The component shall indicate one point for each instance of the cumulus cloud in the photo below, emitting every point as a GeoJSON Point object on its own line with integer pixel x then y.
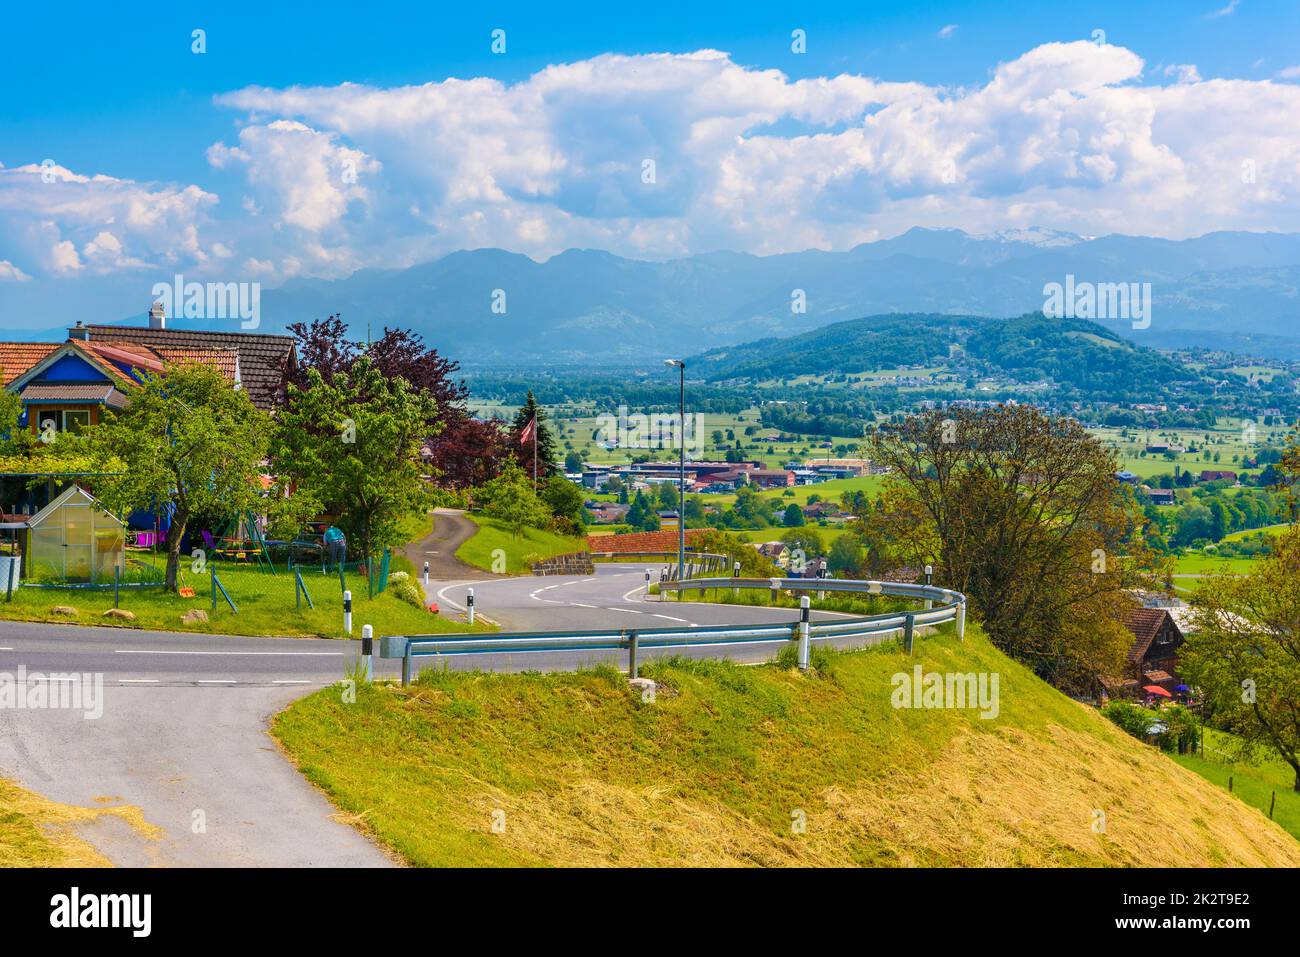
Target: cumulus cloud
{"type": "Point", "coordinates": [660, 155]}
{"type": "Point", "coordinates": [11, 273]}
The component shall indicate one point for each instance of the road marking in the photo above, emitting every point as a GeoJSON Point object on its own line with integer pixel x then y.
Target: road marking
{"type": "Point", "coordinates": [442, 593]}
{"type": "Point", "coordinates": [549, 587]}
{"type": "Point", "coordinates": [309, 654]}
{"type": "Point", "coordinates": [291, 681]}
{"type": "Point", "coordinates": [671, 618]}
{"type": "Point", "coordinates": [578, 604]}
{"type": "Point", "coordinates": [627, 596]}
{"type": "Point", "coordinates": [630, 611]}
{"type": "Point", "coordinates": [137, 681]}
{"type": "Point", "coordinates": [215, 681]}
{"type": "Point", "coordinates": [6, 649]}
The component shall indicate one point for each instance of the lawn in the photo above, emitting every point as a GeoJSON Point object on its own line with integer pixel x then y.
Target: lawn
{"type": "Point", "coordinates": [730, 765]}
{"type": "Point", "coordinates": [494, 548]}
{"type": "Point", "coordinates": [265, 602]}
{"type": "Point", "coordinates": [1255, 784]}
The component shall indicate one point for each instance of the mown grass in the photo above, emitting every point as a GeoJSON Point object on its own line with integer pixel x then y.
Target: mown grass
{"type": "Point", "coordinates": [1254, 784]}
{"type": "Point", "coordinates": [493, 540]}
{"type": "Point", "coordinates": [265, 602]}
{"type": "Point", "coordinates": [471, 769]}
{"type": "Point", "coordinates": [35, 832]}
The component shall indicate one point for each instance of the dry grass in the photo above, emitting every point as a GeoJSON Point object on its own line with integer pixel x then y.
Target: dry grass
{"type": "Point", "coordinates": [576, 771]}
{"type": "Point", "coordinates": [35, 832]}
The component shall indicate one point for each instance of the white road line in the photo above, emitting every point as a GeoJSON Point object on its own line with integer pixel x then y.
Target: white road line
{"type": "Point", "coordinates": [630, 611]}
{"type": "Point", "coordinates": [309, 654]}
{"type": "Point", "coordinates": [6, 649]}
{"type": "Point", "coordinates": [671, 618]}
{"type": "Point", "coordinates": [578, 604]}
{"type": "Point", "coordinates": [549, 587]}
{"type": "Point", "coordinates": [291, 681]}
{"type": "Point", "coordinates": [627, 596]}
{"type": "Point", "coordinates": [442, 592]}
{"type": "Point", "coordinates": [137, 681]}
{"type": "Point", "coordinates": [215, 681]}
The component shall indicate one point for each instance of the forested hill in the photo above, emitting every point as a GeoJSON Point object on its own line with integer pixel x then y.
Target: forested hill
{"type": "Point", "coordinates": [1073, 354]}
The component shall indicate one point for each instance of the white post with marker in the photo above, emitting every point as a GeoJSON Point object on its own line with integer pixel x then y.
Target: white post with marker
{"type": "Point", "coordinates": [368, 650]}
{"type": "Point", "coordinates": [735, 575]}
{"type": "Point", "coordinates": [426, 574]}
{"type": "Point", "coordinates": [469, 604]}
{"type": "Point", "coordinates": [347, 611]}
{"type": "Point", "coordinates": [805, 636]}
{"type": "Point", "coordinates": [929, 573]}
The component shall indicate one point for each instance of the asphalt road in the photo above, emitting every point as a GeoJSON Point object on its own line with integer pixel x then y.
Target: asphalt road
{"type": "Point", "coordinates": [182, 733]}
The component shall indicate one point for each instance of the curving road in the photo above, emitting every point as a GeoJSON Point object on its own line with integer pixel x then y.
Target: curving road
{"type": "Point", "coordinates": [183, 730]}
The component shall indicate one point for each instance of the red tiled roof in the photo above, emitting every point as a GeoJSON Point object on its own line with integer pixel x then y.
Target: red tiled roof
{"type": "Point", "coordinates": [661, 541]}
{"type": "Point", "coordinates": [74, 392]}
{"type": "Point", "coordinates": [17, 357]}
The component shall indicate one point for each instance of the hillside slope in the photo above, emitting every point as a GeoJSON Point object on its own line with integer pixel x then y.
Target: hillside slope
{"type": "Point", "coordinates": [714, 772]}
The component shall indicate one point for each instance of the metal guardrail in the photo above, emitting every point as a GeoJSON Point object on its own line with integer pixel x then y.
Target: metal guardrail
{"type": "Point", "coordinates": [942, 604]}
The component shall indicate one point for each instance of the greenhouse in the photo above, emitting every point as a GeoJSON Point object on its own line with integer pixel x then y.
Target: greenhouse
{"type": "Point", "coordinates": [73, 539]}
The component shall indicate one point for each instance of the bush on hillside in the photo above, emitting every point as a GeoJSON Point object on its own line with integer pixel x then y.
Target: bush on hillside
{"type": "Point", "coordinates": [1131, 718]}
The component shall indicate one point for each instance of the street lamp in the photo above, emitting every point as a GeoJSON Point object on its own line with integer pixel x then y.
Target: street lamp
{"type": "Point", "coordinates": [681, 474]}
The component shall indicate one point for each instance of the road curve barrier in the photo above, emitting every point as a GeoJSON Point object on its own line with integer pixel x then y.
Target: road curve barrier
{"type": "Point", "coordinates": [943, 606]}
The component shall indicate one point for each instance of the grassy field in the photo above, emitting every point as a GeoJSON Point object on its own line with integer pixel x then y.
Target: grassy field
{"type": "Point", "coordinates": [1255, 784]}
{"type": "Point", "coordinates": [494, 543]}
{"type": "Point", "coordinates": [265, 602]}
{"type": "Point", "coordinates": [35, 832]}
{"type": "Point", "coordinates": [1200, 563]}
{"type": "Point", "coordinates": [738, 766]}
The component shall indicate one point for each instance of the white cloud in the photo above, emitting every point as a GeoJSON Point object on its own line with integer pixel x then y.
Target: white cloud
{"type": "Point", "coordinates": [1226, 10]}
{"type": "Point", "coordinates": [1289, 73]}
{"type": "Point", "coordinates": [11, 273]}
{"type": "Point", "coordinates": [947, 31]}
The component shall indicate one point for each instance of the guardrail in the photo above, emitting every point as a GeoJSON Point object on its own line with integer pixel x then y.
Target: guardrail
{"type": "Point", "coordinates": [942, 606]}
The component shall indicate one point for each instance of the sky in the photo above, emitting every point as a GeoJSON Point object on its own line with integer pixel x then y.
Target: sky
{"type": "Point", "coordinates": [264, 142]}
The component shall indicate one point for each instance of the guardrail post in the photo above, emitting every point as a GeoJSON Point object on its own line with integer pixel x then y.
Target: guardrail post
{"type": "Point", "coordinates": [805, 637]}
{"type": "Point", "coordinates": [469, 604]}
{"type": "Point", "coordinates": [909, 632]}
{"type": "Point", "coordinates": [368, 650]}
{"type": "Point", "coordinates": [961, 620]}
{"type": "Point", "coordinates": [632, 638]}
{"type": "Point", "coordinates": [406, 665]}
{"type": "Point", "coordinates": [347, 611]}
{"type": "Point", "coordinates": [776, 590]}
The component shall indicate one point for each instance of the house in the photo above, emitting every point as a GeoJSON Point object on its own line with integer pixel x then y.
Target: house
{"type": "Point", "coordinates": [776, 551]}
{"type": "Point", "coordinates": [1160, 496]}
{"type": "Point", "coordinates": [68, 386]}
{"type": "Point", "coordinates": [668, 519]}
{"type": "Point", "coordinates": [1214, 475]}
{"type": "Point", "coordinates": [1126, 478]}
{"type": "Point", "coordinates": [1153, 656]}
{"type": "Point", "coordinates": [607, 513]}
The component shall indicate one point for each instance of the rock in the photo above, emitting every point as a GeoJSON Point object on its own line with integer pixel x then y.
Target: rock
{"type": "Point", "coordinates": [195, 616]}
{"type": "Point", "coordinates": [64, 610]}
{"type": "Point", "coordinates": [120, 613]}
{"type": "Point", "coordinates": [642, 686]}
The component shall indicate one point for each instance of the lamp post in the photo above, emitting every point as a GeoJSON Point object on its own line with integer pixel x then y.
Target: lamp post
{"type": "Point", "coordinates": [681, 474]}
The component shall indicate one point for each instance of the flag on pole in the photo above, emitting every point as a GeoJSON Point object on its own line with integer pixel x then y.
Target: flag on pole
{"type": "Point", "coordinates": [526, 435]}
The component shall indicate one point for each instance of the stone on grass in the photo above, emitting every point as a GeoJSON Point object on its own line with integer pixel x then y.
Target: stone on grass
{"type": "Point", "coordinates": [195, 616]}
{"type": "Point", "coordinates": [121, 613]}
{"type": "Point", "coordinates": [641, 684]}
{"type": "Point", "coordinates": [64, 610]}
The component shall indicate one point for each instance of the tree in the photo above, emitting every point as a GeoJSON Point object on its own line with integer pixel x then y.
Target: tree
{"type": "Point", "coordinates": [510, 499]}
{"type": "Point", "coordinates": [190, 443]}
{"type": "Point", "coordinates": [565, 501]}
{"type": "Point", "coordinates": [1025, 518]}
{"type": "Point", "coordinates": [573, 462]}
{"type": "Point", "coordinates": [846, 556]}
{"type": "Point", "coordinates": [523, 451]}
{"type": "Point", "coordinates": [353, 444]}
{"type": "Point", "coordinates": [793, 516]}
{"type": "Point", "coordinates": [1243, 657]}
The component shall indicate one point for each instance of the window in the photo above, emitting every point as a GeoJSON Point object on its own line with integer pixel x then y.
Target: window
{"type": "Point", "coordinates": [63, 420]}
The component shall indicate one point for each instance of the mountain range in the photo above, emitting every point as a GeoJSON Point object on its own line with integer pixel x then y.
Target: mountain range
{"type": "Point", "coordinates": [1230, 290]}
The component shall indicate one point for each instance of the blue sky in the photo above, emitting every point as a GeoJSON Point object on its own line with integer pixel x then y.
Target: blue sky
{"type": "Point", "coordinates": [313, 139]}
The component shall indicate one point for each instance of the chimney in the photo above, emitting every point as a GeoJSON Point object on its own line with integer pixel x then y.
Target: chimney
{"type": "Point", "coordinates": [79, 331]}
{"type": "Point", "coordinates": [156, 318]}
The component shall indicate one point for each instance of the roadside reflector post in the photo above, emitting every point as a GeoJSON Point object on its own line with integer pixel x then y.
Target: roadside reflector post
{"type": "Point", "coordinates": [805, 633]}
{"type": "Point", "coordinates": [632, 638]}
{"type": "Point", "coordinates": [469, 604]}
{"type": "Point", "coordinates": [821, 574]}
{"type": "Point", "coordinates": [426, 574]}
{"type": "Point", "coordinates": [909, 629]}
{"type": "Point", "coordinates": [735, 577]}
{"type": "Point", "coordinates": [929, 574]}
{"type": "Point", "coordinates": [347, 611]}
{"type": "Point", "coordinates": [368, 650]}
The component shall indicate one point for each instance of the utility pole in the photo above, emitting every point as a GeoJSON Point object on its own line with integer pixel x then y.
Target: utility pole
{"type": "Point", "coordinates": [681, 472]}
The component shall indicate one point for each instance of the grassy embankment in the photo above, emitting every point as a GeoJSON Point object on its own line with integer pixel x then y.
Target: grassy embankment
{"type": "Point", "coordinates": [35, 832]}
{"type": "Point", "coordinates": [1255, 784]}
{"type": "Point", "coordinates": [575, 769]}
{"type": "Point", "coordinates": [494, 540]}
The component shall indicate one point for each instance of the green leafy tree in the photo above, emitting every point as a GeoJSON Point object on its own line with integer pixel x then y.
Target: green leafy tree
{"type": "Point", "coordinates": [793, 516]}
{"type": "Point", "coordinates": [189, 442]}
{"type": "Point", "coordinates": [510, 499]}
{"type": "Point", "coordinates": [846, 556]}
{"type": "Point", "coordinates": [573, 462]}
{"type": "Point", "coordinates": [352, 444]}
{"type": "Point", "coordinates": [1243, 656]}
{"type": "Point", "coordinates": [565, 501]}
{"type": "Point", "coordinates": [546, 453]}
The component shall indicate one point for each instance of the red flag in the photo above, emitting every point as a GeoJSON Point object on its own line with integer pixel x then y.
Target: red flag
{"type": "Point", "coordinates": [526, 435]}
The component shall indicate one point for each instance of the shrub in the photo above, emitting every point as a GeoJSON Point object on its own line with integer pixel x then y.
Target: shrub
{"type": "Point", "coordinates": [407, 591]}
{"type": "Point", "coordinates": [1131, 718]}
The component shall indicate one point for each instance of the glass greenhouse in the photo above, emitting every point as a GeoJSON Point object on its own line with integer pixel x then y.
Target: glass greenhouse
{"type": "Point", "coordinates": [74, 539]}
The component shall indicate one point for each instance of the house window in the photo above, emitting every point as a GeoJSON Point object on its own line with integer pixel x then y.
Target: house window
{"type": "Point", "coordinates": [64, 420]}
